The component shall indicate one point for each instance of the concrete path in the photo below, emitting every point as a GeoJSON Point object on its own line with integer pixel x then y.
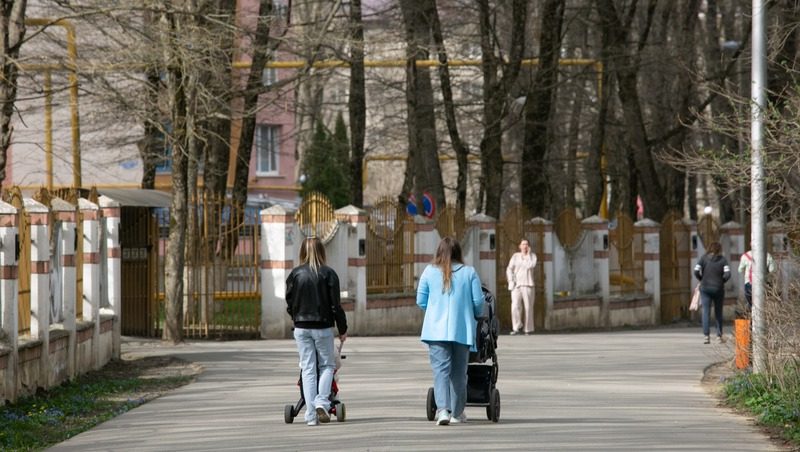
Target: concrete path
{"type": "Point", "coordinates": [629, 390]}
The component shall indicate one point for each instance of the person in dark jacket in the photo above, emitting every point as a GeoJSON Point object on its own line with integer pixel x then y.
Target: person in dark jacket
{"type": "Point", "coordinates": [713, 271]}
{"type": "Point", "coordinates": [313, 302]}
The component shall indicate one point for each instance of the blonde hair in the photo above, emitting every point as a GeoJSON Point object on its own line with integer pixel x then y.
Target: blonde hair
{"type": "Point", "coordinates": [447, 252]}
{"type": "Point", "coordinates": [312, 253]}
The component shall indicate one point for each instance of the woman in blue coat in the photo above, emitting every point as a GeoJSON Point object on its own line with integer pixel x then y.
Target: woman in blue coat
{"type": "Point", "coordinates": [450, 294]}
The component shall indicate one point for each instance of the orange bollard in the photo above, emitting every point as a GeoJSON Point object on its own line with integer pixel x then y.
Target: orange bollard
{"type": "Point", "coordinates": [742, 336]}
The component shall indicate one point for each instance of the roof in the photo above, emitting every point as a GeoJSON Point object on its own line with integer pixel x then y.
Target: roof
{"type": "Point", "coordinates": [137, 197]}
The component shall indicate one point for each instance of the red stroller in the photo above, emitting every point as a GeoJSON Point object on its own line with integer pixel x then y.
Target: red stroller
{"type": "Point", "coordinates": [337, 407]}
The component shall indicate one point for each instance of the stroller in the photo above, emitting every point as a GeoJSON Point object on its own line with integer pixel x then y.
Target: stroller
{"type": "Point", "coordinates": [337, 407]}
{"type": "Point", "coordinates": [483, 368]}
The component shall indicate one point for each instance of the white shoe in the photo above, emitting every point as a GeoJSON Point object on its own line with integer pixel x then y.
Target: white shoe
{"type": "Point", "coordinates": [312, 423]}
{"type": "Point", "coordinates": [443, 418]}
{"type": "Point", "coordinates": [459, 419]}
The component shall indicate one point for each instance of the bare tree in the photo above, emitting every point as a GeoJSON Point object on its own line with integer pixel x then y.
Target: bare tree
{"type": "Point", "coordinates": [12, 32]}
{"type": "Point", "coordinates": [496, 89]}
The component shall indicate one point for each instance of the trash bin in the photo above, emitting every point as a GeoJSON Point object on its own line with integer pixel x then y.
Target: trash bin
{"type": "Point", "coordinates": [741, 333]}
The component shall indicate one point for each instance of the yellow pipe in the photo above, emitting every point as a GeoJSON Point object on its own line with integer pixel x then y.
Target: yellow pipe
{"type": "Point", "coordinates": [72, 68]}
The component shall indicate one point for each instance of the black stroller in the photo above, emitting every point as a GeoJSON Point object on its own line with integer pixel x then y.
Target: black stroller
{"type": "Point", "coordinates": [483, 368]}
{"type": "Point", "coordinates": [337, 408]}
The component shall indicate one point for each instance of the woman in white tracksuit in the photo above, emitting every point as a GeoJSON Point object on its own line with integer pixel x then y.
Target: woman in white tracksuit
{"type": "Point", "coordinates": [519, 274]}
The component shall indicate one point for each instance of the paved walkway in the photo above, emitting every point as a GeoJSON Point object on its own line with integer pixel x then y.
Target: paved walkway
{"type": "Point", "coordinates": [629, 390]}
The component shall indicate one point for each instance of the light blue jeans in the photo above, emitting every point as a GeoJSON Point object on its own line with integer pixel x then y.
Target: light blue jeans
{"type": "Point", "coordinates": [315, 347]}
{"type": "Point", "coordinates": [449, 364]}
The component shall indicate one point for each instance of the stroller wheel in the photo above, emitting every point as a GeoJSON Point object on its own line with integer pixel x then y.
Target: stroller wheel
{"type": "Point", "coordinates": [288, 414]}
{"type": "Point", "coordinates": [430, 406]}
{"type": "Point", "coordinates": [340, 412]}
{"type": "Point", "coordinates": [493, 410]}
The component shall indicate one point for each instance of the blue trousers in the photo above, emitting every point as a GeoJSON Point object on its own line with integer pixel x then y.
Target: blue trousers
{"type": "Point", "coordinates": [709, 297]}
{"type": "Point", "coordinates": [449, 364]}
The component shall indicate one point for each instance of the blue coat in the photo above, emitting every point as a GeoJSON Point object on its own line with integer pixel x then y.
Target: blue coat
{"type": "Point", "coordinates": [450, 316]}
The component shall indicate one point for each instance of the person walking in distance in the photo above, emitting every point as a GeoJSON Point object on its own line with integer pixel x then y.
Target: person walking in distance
{"type": "Point", "coordinates": [313, 301]}
{"type": "Point", "coordinates": [519, 274]}
{"type": "Point", "coordinates": [713, 271]}
{"type": "Point", "coordinates": [450, 294]}
{"type": "Point", "coordinates": [746, 264]}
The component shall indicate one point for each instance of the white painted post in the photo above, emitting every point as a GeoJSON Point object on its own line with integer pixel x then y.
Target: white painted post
{"type": "Point", "coordinates": [732, 240]}
{"type": "Point", "coordinates": [9, 294]}
{"type": "Point", "coordinates": [486, 229]}
{"type": "Point", "coordinates": [545, 258]}
{"type": "Point", "coordinates": [650, 232]}
{"type": "Point", "coordinates": [66, 214]}
{"type": "Point", "coordinates": [280, 241]}
{"type": "Point", "coordinates": [112, 212]}
{"type": "Point", "coordinates": [598, 228]}
{"type": "Point", "coordinates": [776, 236]}
{"type": "Point", "coordinates": [356, 282]}
{"type": "Point", "coordinates": [91, 273]}
{"type": "Point", "coordinates": [426, 239]}
{"type": "Point", "coordinates": [40, 282]}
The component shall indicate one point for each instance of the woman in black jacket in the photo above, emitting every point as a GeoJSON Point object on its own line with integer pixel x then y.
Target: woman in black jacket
{"type": "Point", "coordinates": [313, 302]}
{"type": "Point", "coordinates": [713, 271]}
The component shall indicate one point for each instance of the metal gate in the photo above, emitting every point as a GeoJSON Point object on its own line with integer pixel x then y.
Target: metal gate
{"type": "Point", "coordinates": [13, 196]}
{"type": "Point", "coordinates": [390, 249]}
{"type": "Point", "coordinates": [138, 240]}
{"type": "Point", "coordinates": [510, 230]}
{"type": "Point", "coordinates": [676, 256]}
{"type": "Point", "coordinates": [626, 268]}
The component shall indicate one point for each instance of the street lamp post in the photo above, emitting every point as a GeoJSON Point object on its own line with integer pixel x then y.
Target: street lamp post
{"type": "Point", "coordinates": [758, 200]}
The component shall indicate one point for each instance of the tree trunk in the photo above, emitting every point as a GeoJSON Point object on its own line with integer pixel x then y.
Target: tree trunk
{"type": "Point", "coordinates": [626, 70]}
{"type": "Point", "coordinates": [459, 147]}
{"type": "Point", "coordinates": [536, 195]}
{"type": "Point", "coordinates": [495, 94]}
{"type": "Point", "coordinates": [421, 121]}
{"type": "Point", "coordinates": [12, 32]}
{"type": "Point", "coordinates": [357, 104]}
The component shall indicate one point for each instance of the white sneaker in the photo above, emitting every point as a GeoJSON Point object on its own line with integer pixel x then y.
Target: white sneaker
{"type": "Point", "coordinates": [459, 419]}
{"type": "Point", "coordinates": [312, 423]}
{"type": "Point", "coordinates": [443, 418]}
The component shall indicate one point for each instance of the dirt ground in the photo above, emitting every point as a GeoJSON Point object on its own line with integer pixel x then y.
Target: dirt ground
{"type": "Point", "coordinates": [148, 367]}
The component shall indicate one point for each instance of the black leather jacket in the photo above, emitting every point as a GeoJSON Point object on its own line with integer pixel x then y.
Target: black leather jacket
{"type": "Point", "coordinates": [313, 300]}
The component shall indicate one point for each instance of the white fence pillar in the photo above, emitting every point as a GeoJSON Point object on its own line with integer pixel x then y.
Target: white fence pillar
{"type": "Point", "coordinates": [280, 240]}
{"type": "Point", "coordinates": [426, 239]}
{"type": "Point", "coordinates": [486, 229]}
{"type": "Point", "coordinates": [650, 232]}
{"type": "Point", "coordinates": [91, 273]}
{"type": "Point", "coordinates": [778, 243]}
{"type": "Point", "coordinates": [598, 228]}
{"type": "Point", "coordinates": [9, 288]}
{"type": "Point", "coordinates": [732, 241]}
{"type": "Point", "coordinates": [66, 216]}
{"type": "Point", "coordinates": [113, 278]}
{"type": "Point", "coordinates": [356, 278]}
{"type": "Point", "coordinates": [40, 282]}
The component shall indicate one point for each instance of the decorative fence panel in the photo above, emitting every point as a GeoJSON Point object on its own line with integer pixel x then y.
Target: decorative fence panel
{"type": "Point", "coordinates": [626, 267]}
{"type": "Point", "coordinates": [390, 249]}
{"type": "Point", "coordinates": [675, 255]}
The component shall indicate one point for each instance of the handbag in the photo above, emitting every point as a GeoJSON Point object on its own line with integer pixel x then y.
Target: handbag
{"type": "Point", "coordinates": [695, 304]}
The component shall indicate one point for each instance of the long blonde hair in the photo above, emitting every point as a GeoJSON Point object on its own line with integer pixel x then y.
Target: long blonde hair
{"type": "Point", "coordinates": [312, 253]}
{"type": "Point", "coordinates": [447, 252]}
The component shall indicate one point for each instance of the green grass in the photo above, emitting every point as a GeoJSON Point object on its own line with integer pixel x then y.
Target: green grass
{"type": "Point", "coordinates": [40, 421]}
{"type": "Point", "coordinates": [775, 403]}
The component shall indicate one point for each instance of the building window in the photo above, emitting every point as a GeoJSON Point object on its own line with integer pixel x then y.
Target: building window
{"type": "Point", "coordinates": [267, 149]}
